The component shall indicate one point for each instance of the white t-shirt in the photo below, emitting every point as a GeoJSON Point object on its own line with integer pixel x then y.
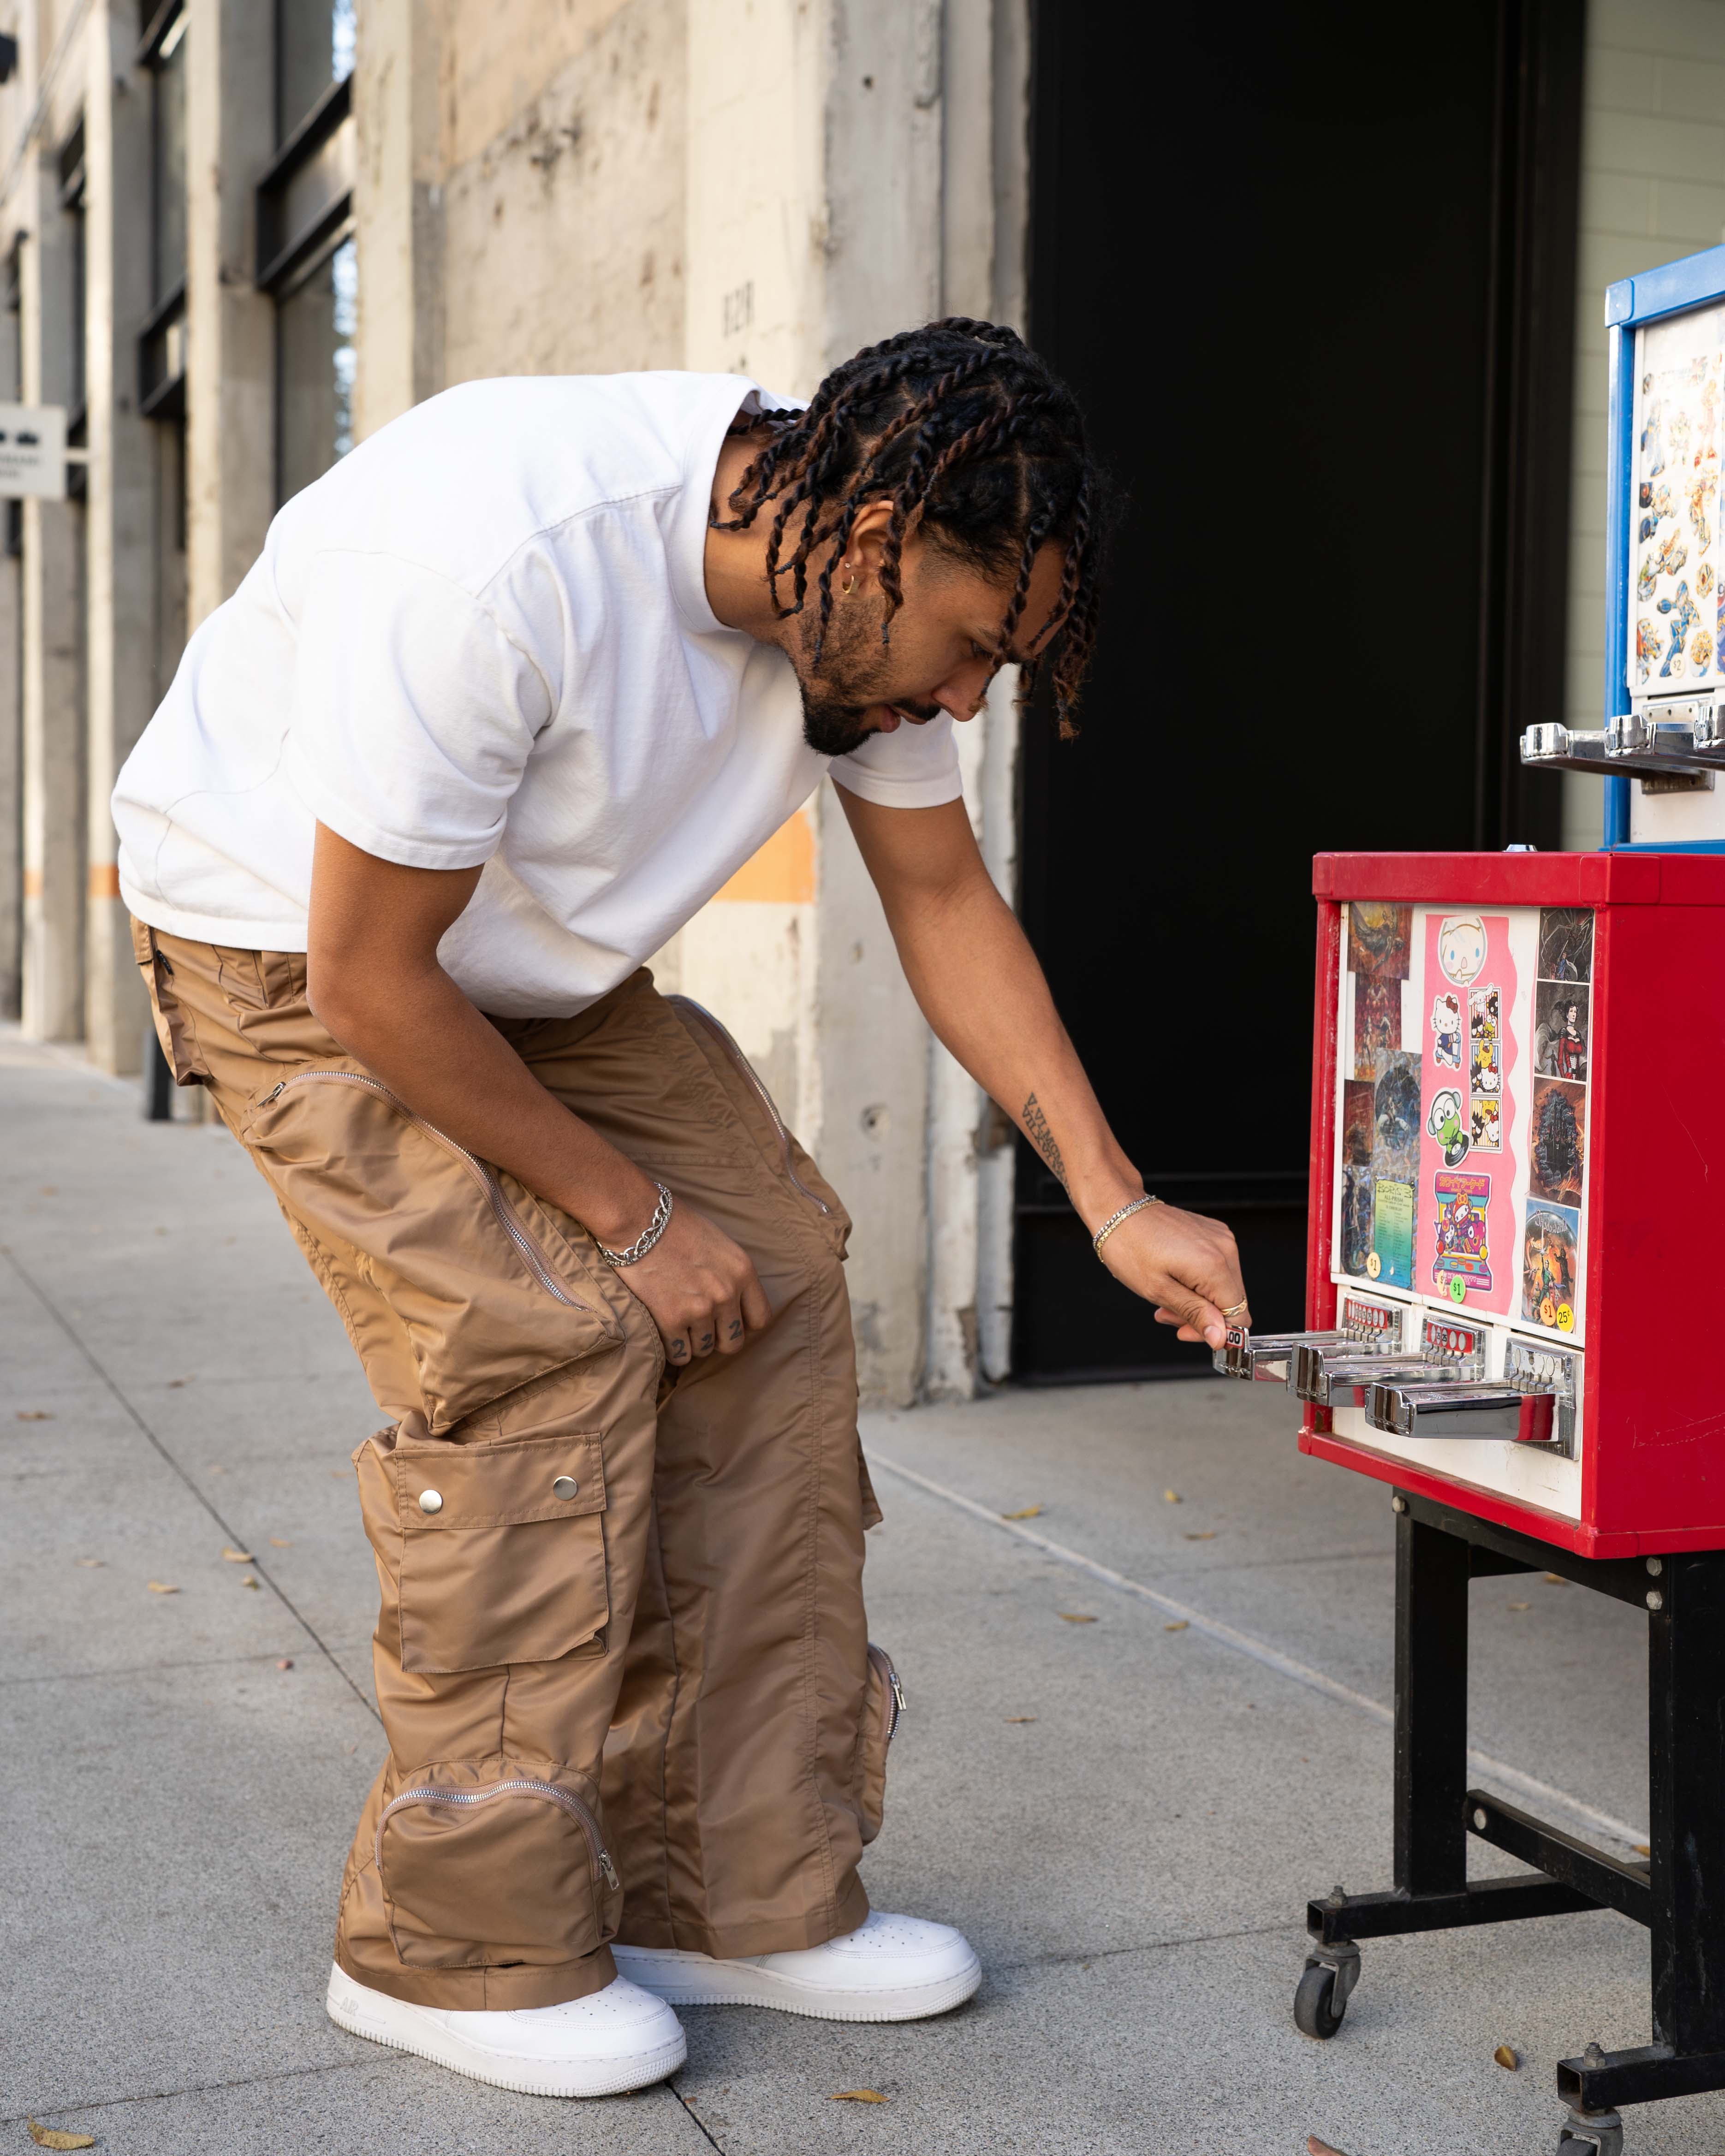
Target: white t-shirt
{"type": "Point", "coordinates": [485, 637]}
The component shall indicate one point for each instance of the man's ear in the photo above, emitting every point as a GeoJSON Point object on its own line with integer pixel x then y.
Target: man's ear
{"type": "Point", "coordinates": [868, 537]}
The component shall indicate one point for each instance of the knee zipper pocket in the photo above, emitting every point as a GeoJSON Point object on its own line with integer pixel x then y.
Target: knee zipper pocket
{"type": "Point", "coordinates": [518, 1858]}
{"type": "Point", "coordinates": [480, 1277]}
{"type": "Point", "coordinates": [883, 1705]}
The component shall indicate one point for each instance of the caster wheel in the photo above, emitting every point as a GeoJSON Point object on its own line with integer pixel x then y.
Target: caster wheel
{"type": "Point", "coordinates": [1599, 2135]}
{"type": "Point", "coordinates": [1318, 2011]}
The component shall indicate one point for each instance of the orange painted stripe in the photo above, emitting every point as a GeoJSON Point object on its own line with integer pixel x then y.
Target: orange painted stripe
{"type": "Point", "coordinates": [104, 881]}
{"type": "Point", "coordinates": [33, 883]}
{"type": "Point", "coordinates": [783, 870]}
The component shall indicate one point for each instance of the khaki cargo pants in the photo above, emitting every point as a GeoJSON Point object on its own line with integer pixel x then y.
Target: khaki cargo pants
{"type": "Point", "coordinates": [621, 1656]}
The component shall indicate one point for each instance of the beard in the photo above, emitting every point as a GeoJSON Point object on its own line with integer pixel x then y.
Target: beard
{"type": "Point", "coordinates": [854, 670]}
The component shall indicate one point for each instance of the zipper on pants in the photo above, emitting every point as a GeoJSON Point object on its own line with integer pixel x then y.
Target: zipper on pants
{"type": "Point", "coordinates": [435, 1793]}
{"type": "Point", "coordinates": [722, 1035]}
{"type": "Point", "coordinates": [532, 1256]}
{"type": "Point", "coordinates": [900, 1705]}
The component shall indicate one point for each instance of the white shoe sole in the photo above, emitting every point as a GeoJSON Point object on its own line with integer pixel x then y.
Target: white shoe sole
{"type": "Point", "coordinates": [692, 1979]}
{"type": "Point", "coordinates": [363, 2012]}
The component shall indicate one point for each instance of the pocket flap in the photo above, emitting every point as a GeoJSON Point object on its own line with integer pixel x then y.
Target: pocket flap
{"type": "Point", "coordinates": [440, 1487]}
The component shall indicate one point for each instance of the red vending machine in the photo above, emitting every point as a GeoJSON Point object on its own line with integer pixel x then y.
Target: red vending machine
{"type": "Point", "coordinates": [1517, 1197]}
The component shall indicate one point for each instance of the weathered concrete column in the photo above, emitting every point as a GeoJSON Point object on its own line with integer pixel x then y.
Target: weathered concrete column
{"type": "Point", "coordinates": [397, 204]}
{"type": "Point", "coordinates": [52, 606]}
{"type": "Point", "coordinates": [230, 339]}
{"type": "Point", "coordinates": [121, 513]}
{"type": "Point", "coordinates": [12, 864]}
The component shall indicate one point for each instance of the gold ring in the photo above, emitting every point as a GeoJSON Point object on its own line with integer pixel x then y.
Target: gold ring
{"type": "Point", "coordinates": [1236, 1309]}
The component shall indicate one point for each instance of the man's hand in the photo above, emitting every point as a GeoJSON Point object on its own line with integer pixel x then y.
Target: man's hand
{"type": "Point", "coordinates": [699, 1288]}
{"type": "Point", "coordinates": [1184, 1263]}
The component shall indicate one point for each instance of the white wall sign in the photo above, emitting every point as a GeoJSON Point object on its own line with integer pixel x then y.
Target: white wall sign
{"type": "Point", "coordinates": [33, 451]}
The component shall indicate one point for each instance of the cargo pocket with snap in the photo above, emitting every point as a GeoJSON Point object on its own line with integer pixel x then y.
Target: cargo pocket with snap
{"type": "Point", "coordinates": [491, 1553]}
{"type": "Point", "coordinates": [517, 1853]}
{"type": "Point", "coordinates": [883, 1702]}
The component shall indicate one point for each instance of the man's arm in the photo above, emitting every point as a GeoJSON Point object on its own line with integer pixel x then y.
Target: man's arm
{"type": "Point", "coordinates": [980, 988]}
{"type": "Point", "coordinates": [374, 980]}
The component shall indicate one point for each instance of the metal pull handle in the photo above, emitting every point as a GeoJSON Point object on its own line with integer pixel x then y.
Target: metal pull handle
{"type": "Point", "coordinates": [1564, 748]}
{"type": "Point", "coordinates": [1266, 1358]}
{"type": "Point", "coordinates": [1648, 743]}
{"type": "Point", "coordinates": [1328, 1380]}
{"type": "Point", "coordinates": [1467, 1408]}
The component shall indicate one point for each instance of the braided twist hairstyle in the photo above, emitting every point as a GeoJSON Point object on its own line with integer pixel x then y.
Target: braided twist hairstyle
{"type": "Point", "coordinates": [965, 430]}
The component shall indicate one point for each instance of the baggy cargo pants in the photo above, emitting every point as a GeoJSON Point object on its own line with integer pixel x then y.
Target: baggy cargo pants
{"type": "Point", "coordinates": [621, 1657]}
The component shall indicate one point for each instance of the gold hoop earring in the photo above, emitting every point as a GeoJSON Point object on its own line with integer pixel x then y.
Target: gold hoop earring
{"type": "Point", "coordinates": [849, 585]}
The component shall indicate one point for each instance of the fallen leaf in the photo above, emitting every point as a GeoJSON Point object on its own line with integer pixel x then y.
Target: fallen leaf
{"type": "Point", "coordinates": [92, 1563]}
{"type": "Point", "coordinates": [175, 1384]}
{"type": "Point", "coordinates": [34, 1415]}
{"type": "Point", "coordinates": [857, 2096]}
{"type": "Point", "coordinates": [218, 1471]}
{"type": "Point", "coordinates": [1554, 1580]}
{"type": "Point", "coordinates": [1521, 1606]}
{"type": "Point", "coordinates": [1170, 1497]}
{"type": "Point", "coordinates": [1508, 2055]}
{"type": "Point", "coordinates": [1021, 1717]}
{"type": "Point", "coordinates": [251, 1583]}
{"type": "Point", "coordinates": [286, 1663]}
{"type": "Point", "coordinates": [1642, 1849]}
{"type": "Point", "coordinates": [279, 1541]}
{"type": "Point", "coordinates": [1029, 1512]}
{"type": "Point", "coordinates": [51, 2136]}
{"type": "Point", "coordinates": [1072, 1617]}
{"type": "Point", "coordinates": [160, 1587]}
{"type": "Point", "coordinates": [1314, 2147]}
{"type": "Point", "coordinates": [238, 1556]}
{"type": "Point", "coordinates": [48, 1190]}
{"type": "Point", "coordinates": [1178, 1625]}
{"type": "Point", "coordinates": [1204, 1535]}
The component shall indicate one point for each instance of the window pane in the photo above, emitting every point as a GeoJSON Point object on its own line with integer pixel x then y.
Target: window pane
{"type": "Point", "coordinates": [168, 148]}
{"type": "Point", "coordinates": [314, 48]}
{"type": "Point", "coordinates": [315, 361]}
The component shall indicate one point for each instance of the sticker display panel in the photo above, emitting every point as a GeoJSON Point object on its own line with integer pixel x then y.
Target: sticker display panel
{"type": "Point", "coordinates": [1462, 1110]}
{"type": "Point", "coordinates": [1677, 600]}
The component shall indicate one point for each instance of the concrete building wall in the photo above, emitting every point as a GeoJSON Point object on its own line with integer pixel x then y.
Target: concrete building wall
{"type": "Point", "coordinates": [1652, 189]}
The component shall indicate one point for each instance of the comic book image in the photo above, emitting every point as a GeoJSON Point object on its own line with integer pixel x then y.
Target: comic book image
{"type": "Point", "coordinates": [1358, 1114]}
{"type": "Point", "coordinates": [1446, 1029]}
{"type": "Point", "coordinates": [1392, 1234]}
{"type": "Point", "coordinates": [1676, 475]}
{"type": "Point", "coordinates": [1379, 937]}
{"type": "Point", "coordinates": [1376, 1021]}
{"type": "Point", "coordinates": [1485, 1118]}
{"type": "Point", "coordinates": [1558, 1146]}
{"type": "Point", "coordinates": [1356, 1219]}
{"type": "Point", "coordinates": [1566, 943]}
{"type": "Point", "coordinates": [1461, 1249]}
{"type": "Point", "coordinates": [1550, 1266]}
{"type": "Point", "coordinates": [1396, 1118]}
{"type": "Point", "coordinates": [1484, 1040]}
{"type": "Point", "coordinates": [1560, 1030]}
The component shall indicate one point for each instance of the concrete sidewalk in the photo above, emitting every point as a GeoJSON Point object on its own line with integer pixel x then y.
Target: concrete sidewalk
{"type": "Point", "coordinates": [1124, 1817]}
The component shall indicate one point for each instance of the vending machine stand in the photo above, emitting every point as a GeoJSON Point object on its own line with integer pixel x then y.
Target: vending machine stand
{"type": "Point", "coordinates": [1678, 1891]}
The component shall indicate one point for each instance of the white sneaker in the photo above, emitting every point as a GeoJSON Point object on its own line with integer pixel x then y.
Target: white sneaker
{"type": "Point", "coordinates": [892, 1968]}
{"type": "Point", "coordinates": [617, 2038]}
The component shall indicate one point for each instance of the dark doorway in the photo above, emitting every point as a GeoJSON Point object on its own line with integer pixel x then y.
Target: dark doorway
{"type": "Point", "coordinates": [1311, 273]}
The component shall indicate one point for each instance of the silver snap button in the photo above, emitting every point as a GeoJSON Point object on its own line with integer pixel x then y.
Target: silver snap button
{"type": "Point", "coordinates": [565, 1487]}
{"type": "Point", "coordinates": [431, 1501]}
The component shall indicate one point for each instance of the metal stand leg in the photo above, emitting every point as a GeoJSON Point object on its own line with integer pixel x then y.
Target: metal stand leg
{"type": "Point", "coordinates": [1431, 1575]}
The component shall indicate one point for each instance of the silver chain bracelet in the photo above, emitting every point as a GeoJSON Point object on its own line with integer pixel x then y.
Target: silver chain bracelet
{"type": "Point", "coordinates": [648, 1237]}
{"type": "Point", "coordinates": [1114, 1220]}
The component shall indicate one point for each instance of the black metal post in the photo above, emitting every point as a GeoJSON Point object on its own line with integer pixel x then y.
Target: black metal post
{"type": "Point", "coordinates": [1686, 1669]}
{"type": "Point", "coordinates": [158, 1080]}
{"type": "Point", "coordinates": [1431, 1574]}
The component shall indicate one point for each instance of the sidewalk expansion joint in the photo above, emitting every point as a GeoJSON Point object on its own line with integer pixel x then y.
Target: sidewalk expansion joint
{"type": "Point", "coordinates": [1068, 1960]}
{"type": "Point", "coordinates": [700, 2123]}
{"type": "Point", "coordinates": [66, 2104]}
{"type": "Point", "coordinates": [1259, 1650]}
{"type": "Point", "coordinates": [231, 1532]}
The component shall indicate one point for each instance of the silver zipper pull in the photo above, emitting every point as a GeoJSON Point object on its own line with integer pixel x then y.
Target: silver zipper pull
{"type": "Point", "coordinates": [272, 1094]}
{"type": "Point", "coordinates": [610, 1870]}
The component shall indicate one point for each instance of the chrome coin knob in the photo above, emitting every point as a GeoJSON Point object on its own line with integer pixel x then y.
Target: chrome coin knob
{"type": "Point", "coordinates": [565, 1487]}
{"type": "Point", "coordinates": [431, 1501]}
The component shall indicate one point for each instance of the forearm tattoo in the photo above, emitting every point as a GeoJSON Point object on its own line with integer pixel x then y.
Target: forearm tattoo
{"type": "Point", "coordinates": [1039, 1134]}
